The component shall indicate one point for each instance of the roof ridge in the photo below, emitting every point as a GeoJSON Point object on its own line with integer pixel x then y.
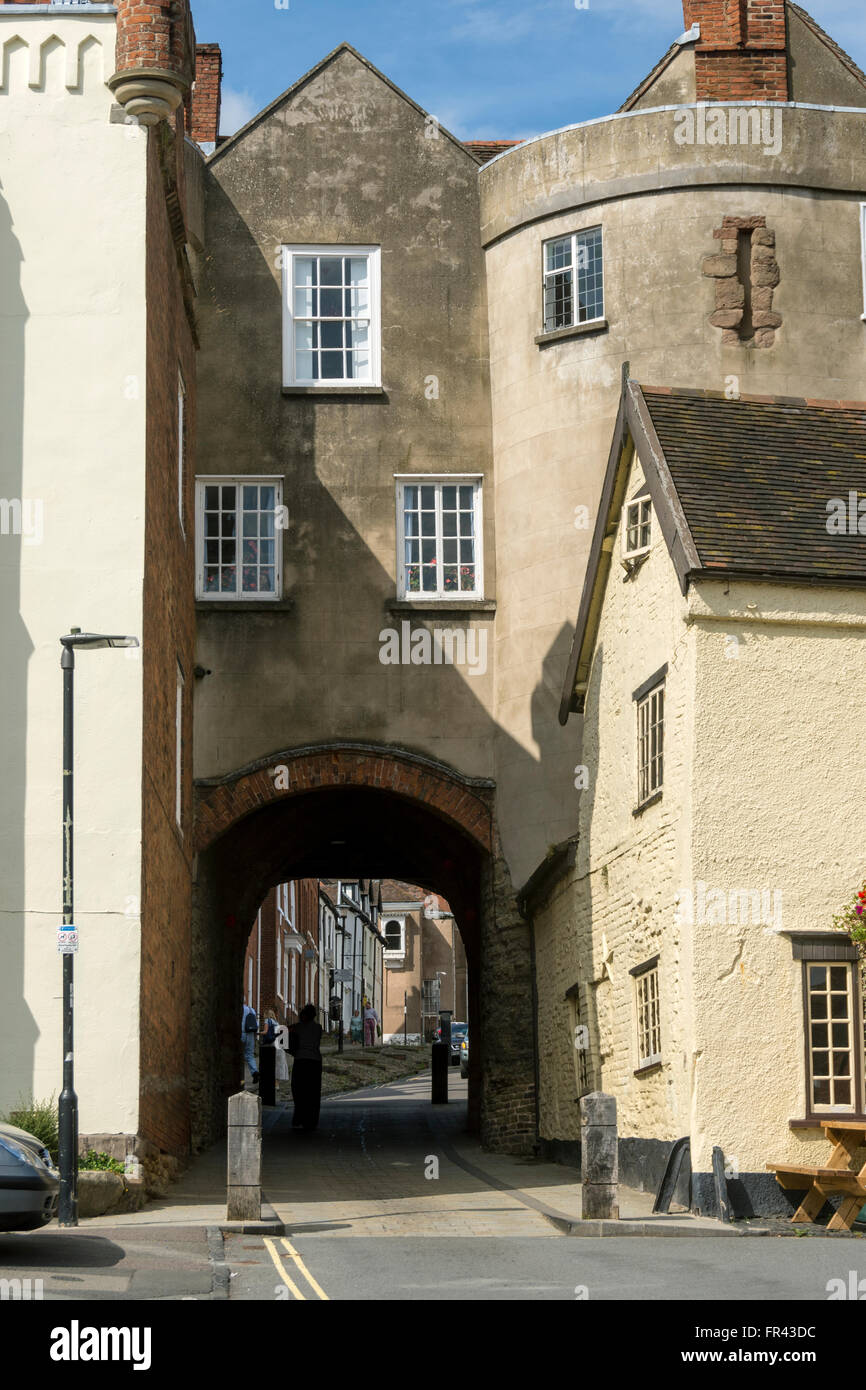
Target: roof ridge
{"type": "Point", "coordinates": [313, 72]}
{"type": "Point", "coordinates": [803, 402]}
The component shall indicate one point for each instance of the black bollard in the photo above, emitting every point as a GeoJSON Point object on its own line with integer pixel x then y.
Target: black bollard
{"type": "Point", "coordinates": [267, 1074]}
{"type": "Point", "coordinates": [441, 1063]}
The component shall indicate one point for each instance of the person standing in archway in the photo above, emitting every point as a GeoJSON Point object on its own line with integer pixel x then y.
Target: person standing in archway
{"type": "Point", "coordinates": [249, 1033]}
{"type": "Point", "coordinates": [304, 1045]}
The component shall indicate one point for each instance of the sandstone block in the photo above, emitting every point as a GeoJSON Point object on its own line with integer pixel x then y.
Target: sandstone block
{"type": "Point", "coordinates": [730, 294]}
{"type": "Point", "coordinates": [726, 318]}
{"type": "Point", "coordinates": [719, 265]}
{"type": "Point", "coordinates": [766, 275]}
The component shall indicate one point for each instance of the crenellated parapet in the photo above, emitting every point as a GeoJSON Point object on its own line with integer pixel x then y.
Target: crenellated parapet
{"type": "Point", "coordinates": [57, 50]}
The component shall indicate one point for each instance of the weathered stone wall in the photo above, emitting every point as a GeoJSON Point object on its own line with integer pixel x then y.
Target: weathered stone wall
{"type": "Point", "coordinates": [658, 202]}
{"type": "Point", "coordinates": [617, 908]}
{"type": "Point", "coordinates": [508, 1108]}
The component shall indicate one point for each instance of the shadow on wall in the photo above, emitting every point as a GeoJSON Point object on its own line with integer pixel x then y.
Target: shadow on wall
{"type": "Point", "coordinates": [19, 1029]}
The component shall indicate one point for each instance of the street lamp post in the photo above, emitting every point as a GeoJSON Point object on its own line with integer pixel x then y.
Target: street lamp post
{"type": "Point", "coordinates": [67, 1211]}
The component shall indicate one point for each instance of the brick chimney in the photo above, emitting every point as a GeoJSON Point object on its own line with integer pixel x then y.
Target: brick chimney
{"type": "Point", "coordinates": [742, 52]}
{"type": "Point", "coordinates": [206, 93]}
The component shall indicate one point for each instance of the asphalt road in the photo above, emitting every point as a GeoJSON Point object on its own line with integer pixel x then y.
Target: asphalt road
{"type": "Point", "coordinates": [381, 1204]}
{"type": "Point", "coordinates": [646, 1269]}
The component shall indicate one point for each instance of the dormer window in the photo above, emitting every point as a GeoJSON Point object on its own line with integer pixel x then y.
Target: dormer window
{"type": "Point", "coordinates": [637, 527]}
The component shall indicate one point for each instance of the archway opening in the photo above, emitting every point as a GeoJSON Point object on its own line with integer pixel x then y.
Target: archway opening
{"type": "Point", "coordinates": [347, 831]}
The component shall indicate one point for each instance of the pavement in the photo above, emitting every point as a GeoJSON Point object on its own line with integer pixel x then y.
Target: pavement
{"type": "Point", "coordinates": [390, 1198]}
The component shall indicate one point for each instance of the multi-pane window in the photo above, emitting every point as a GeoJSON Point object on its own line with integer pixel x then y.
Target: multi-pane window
{"type": "Point", "coordinates": [638, 527]}
{"type": "Point", "coordinates": [440, 539]}
{"type": "Point", "coordinates": [573, 280]}
{"type": "Point", "coordinates": [650, 743]}
{"type": "Point", "coordinates": [832, 1032]}
{"type": "Point", "coordinates": [331, 300]}
{"type": "Point", "coordinates": [237, 538]}
{"type": "Point", "coordinates": [649, 1046]}
{"type": "Point", "coordinates": [395, 937]}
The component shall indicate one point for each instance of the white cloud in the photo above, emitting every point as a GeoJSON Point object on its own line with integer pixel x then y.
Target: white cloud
{"type": "Point", "coordinates": [237, 108]}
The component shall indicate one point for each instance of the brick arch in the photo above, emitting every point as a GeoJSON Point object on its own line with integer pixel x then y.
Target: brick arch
{"type": "Point", "coordinates": [466, 803]}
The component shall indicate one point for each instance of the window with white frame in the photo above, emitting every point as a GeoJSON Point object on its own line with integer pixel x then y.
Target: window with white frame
{"type": "Point", "coordinates": [395, 937]}
{"type": "Point", "coordinates": [181, 443]}
{"type": "Point", "coordinates": [280, 985]}
{"type": "Point", "coordinates": [573, 280]}
{"type": "Point", "coordinates": [331, 297]}
{"type": "Point", "coordinates": [832, 1033]}
{"type": "Point", "coordinates": [294, 985]}
{"type": "Point", "coordinates": [637, 527]}
{"type": "Point", "coordinates": [439, 528]}
{"type": "Point", "coordinates": [178, 757]}
{"type": "Point", "coordinates": [238, 550]}
{"type": "Point", "coordinates": [646, 987]}
{"type": "Point", "coordinates": [650, 743]}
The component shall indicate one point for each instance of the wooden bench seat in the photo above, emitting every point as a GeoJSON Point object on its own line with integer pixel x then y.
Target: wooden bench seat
{"type": "Point", "coordinates": [836, 1177]}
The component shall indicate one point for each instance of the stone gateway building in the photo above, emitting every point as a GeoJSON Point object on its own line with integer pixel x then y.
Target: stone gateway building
{"type": "Point", "coordinates": [380, 371]}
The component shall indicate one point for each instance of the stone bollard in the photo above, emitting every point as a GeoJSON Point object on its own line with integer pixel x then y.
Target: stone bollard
{"type": "Point", "coordinates": [599, 1157]}
{"type": "Point", "coordinates": [244, 1158]}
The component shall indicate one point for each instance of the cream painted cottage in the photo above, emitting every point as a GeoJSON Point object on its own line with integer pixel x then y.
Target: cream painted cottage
{"type": "Point", "coordinates": [686, 958]}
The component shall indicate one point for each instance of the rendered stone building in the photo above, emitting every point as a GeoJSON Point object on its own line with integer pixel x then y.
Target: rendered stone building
{"type": "Point", "coordinates": [685, 950]}
{"type": "Point", "coordinates": [398, 363]}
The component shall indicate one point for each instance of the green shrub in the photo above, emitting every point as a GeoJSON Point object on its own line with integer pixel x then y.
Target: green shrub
{"type": "Point", "coordinates": [98, 1161]}
{"type": "Point", "coordinates": [39, 1118]}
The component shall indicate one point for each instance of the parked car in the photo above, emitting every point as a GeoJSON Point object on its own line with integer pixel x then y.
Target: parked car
{"type": "Point", "coordinates": [458, 1032]}
{"type": "Point", "coordinates": [464, 1056]}
{"type": "Point", "coordinates": [29, 1182]}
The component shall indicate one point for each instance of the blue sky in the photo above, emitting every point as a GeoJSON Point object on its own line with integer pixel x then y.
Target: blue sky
{"type": "Point", "coordinates": [487, 69]}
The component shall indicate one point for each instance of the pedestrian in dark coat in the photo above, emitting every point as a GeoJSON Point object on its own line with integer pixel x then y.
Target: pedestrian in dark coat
{"type": "Point", "coordinates": [304, 1040]}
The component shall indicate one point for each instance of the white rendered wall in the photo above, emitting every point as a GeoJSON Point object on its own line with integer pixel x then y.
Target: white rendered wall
{"type": "Point", "coordinates": [72, 406]}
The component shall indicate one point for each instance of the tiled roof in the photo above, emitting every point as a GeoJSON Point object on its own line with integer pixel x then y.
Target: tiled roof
{"type": "Point", "coordinates": [395, 891]}
{"type": "Point", "coordinates": [754, 477]}
{"type": "Point", "coordinates": [485, 150]}
{"type": "Point", "coordinates": [739, 487]}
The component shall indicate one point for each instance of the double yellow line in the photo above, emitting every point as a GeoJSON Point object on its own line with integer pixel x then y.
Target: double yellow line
{"type": "Point", "coordinates": [301, 1268]}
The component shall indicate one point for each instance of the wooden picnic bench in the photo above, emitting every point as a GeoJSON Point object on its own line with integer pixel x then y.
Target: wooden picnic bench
{"type": "Point", "coordinates": [836, 1176]}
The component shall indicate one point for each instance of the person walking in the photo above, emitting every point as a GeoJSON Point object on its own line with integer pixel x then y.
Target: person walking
{"type": "Point", "coordinates": [371, 1023]}
{"type": "Point", "coordinates": [249, 1029]}
{"type": "Point", "coordinates": [304, 1045]}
